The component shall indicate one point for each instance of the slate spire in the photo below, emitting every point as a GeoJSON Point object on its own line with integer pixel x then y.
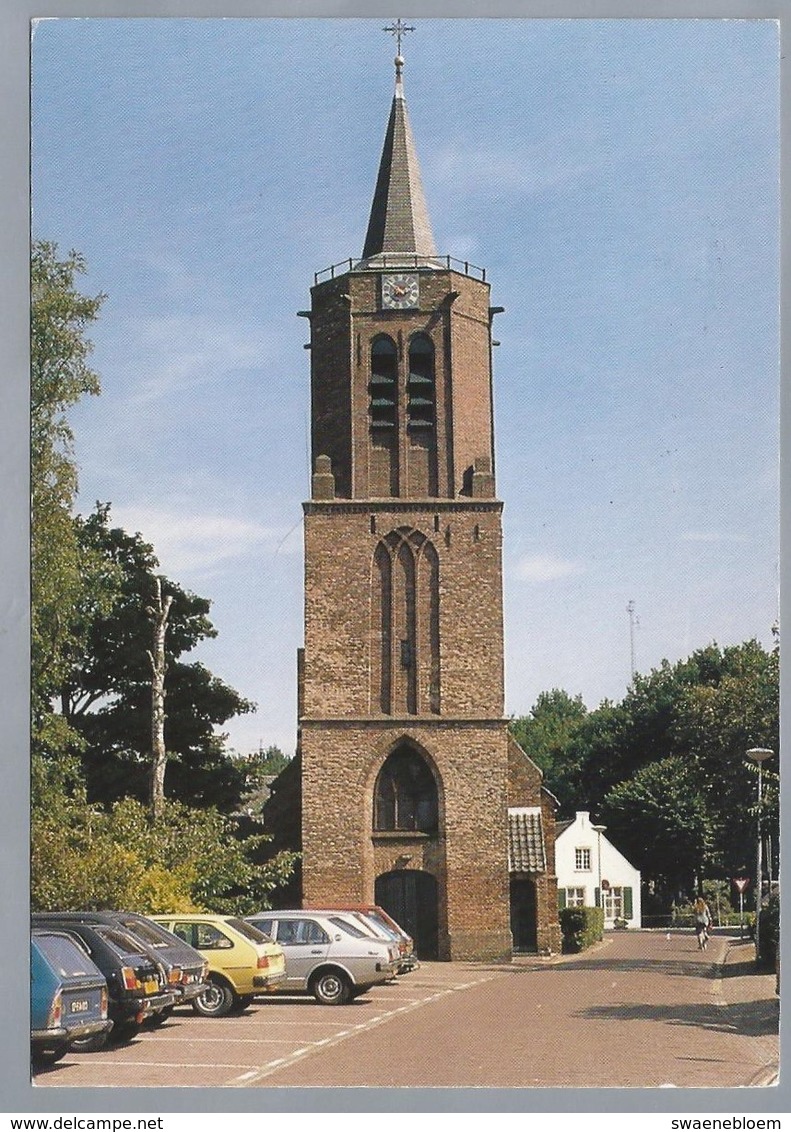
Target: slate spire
{"type": "Point", "coordinates": [399, 224]}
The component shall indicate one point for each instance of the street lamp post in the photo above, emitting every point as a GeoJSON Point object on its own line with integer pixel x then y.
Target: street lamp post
{"type": "Point", "coordinates": [599, 830]}
{"type": "Point", "coordinates": [759, 755]}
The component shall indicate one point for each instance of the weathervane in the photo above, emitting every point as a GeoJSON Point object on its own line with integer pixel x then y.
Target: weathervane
{"type": "Point", "coordinates": [399, 30]}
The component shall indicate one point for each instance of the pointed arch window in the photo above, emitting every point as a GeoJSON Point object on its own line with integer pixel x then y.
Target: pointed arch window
{"type": "Point", "coordinates": [383, 386]}
{"type": "Point", "coordinates": [405, 795]}
{"type": "Point", "coordinates": [421, 394]}
{"type": "Point", "coordinates": [405, 662]}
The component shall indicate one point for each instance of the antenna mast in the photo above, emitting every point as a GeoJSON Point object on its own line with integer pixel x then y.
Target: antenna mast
{"type": "Point", "coordinates": [633, 621]}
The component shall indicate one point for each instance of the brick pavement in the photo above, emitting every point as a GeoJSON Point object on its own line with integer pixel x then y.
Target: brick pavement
{"type": "Point", "coordinates": [643, 1009]}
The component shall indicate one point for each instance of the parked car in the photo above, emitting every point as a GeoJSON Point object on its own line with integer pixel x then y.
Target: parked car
{"type": "Point", "coordinates": [136, 984]}
{"type": "Point", "coordinates": [375, 916]}
{"type": "Point", "coordinates": [243, 962]}
{"type": "Point", "coordinates": [327, 954]}
{"type": "Point", "coordinates": [370, 927]}
{"type": "Point", "coordinates": [68, 996]}
{"type": "Point", "coordinates": [186, 969]}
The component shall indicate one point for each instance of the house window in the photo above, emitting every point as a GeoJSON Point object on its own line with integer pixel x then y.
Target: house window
{"type": "Point", "coordinates": [405, 796]}
{"type": "Point", "coordinates": [582, 860]}
{"type": "Point", "coordinates": [575, 897]}
{"type": "Point", "coordinates": [613, 903]}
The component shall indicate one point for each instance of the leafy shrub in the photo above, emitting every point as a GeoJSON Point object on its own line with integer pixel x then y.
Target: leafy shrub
{"type": "Point", "coordinates": [581, 927]}
{"type": "Point", "coordinates": [85, 856]}
{"type": "Point", "coordinates": [770, 931]}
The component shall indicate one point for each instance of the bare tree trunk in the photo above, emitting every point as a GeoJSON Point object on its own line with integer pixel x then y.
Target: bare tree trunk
{"type": "Point", "coordinates": [159, 614]}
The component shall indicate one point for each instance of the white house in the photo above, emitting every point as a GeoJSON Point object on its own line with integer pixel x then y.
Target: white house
{"type": "Point", "coordinates": [587, 865]}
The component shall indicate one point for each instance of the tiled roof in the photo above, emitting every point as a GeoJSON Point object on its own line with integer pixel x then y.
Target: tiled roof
{"type": "Point", "coordinates": [526, 850]}
{"type": "Point", "coordinates": [562, 826]}
{"type": "Point", "coordinates": [399, 221]}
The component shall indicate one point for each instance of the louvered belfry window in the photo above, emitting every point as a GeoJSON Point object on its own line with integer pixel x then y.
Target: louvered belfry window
{"type": "Point", "coordinates": [384, 383]}
{"type": "Point", "coordinates": [420, 388]}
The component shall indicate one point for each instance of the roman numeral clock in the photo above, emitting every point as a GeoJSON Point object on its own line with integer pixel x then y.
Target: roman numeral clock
{"type": "Point", "coordinates": [400, 292]}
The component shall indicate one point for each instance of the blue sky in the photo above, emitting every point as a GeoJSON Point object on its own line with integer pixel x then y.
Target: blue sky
{"type": "Point", "coordinates": [618, 180]}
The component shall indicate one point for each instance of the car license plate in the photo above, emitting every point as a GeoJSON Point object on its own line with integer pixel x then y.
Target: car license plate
{"type": "Point", "coordinates": [151, 986]}
{"type": "Point", "coordinates": [79, 1006]}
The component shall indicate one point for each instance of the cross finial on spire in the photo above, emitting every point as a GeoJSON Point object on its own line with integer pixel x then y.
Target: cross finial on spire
{"type": "Point", "coordinates": [399, 30]}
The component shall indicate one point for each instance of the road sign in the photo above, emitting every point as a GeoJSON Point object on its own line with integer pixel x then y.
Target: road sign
{"type": "Point", "coordinates": [605, 885]}
{"type": "Point", "coordinates": [741, 883]}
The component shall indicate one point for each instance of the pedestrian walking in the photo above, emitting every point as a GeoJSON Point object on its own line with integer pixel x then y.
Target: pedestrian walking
{"type": "Point", "coordinates": [702, 922]}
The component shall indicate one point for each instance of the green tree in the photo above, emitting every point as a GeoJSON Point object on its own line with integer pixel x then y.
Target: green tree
{"type": "Point", "coordinates": [258, 770]}
{"type": "Point", "coordinates": [715, 724]}
{"type": "Point", "coordinates": [106, 694]}
{"type": "Point", "coordinates": [547, 735]}
{"type": "Point", "coordinates": [88, 856]}
{"type": "Point", "coordinates": [63, 576]}
{"type": "Point", "coordinates": [660, 821]}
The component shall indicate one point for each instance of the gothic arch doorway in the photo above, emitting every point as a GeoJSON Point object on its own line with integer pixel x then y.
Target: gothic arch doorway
{"type": "Point", "coordinates": [410, 897]}
{"type": "Point", "coordinates": [524, 920]}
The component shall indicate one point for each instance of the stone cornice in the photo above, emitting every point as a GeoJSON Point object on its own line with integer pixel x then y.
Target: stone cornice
{"type": "Point", "coordinates": [400, 506]}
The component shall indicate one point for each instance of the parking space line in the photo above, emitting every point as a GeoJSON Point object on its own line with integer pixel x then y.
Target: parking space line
{"type": "Point", "coordinates": [370, 1024]}
{"type": "Point", "coordinates": [173, 1065]}
{"type": "Point", "coordinates": [228, 1041]}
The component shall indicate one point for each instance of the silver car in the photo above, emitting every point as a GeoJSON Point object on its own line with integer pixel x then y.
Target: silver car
{"type": "Point", "coordinates": [327, 954]}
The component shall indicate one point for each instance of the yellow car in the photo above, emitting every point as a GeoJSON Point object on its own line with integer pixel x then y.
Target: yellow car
{"type": "Point", "coordinates": [243, 962]}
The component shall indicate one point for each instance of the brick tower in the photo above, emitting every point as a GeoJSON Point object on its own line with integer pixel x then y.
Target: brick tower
{"type": "Point", "coordinates": [404, 754]}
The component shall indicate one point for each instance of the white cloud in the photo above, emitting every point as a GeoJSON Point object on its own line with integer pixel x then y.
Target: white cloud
{"type": "Point", "coordinates": [186, 541]}
{"type": "Point", "coordinates": [181, 352]}
{"type": "Point", "coordinates": [545, 568]}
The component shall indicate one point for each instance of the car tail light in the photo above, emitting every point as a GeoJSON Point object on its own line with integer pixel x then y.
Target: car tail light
{"type": "Point", "coordinates": [176, 976]}
{"type": "Point", "coordinates": [103, 1002]}
{"type": "Point", "coordinates": [130, 979]}
{"type": "Point", "coordinates": [263, 961]}
{"type": "Point", "coordinates": [55, 1011]}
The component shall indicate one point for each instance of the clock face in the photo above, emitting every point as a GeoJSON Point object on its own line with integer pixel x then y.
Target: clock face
{"type": "Point", "coordinates": [400, 292]}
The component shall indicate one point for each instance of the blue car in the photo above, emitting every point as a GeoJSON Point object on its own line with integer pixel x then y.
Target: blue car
{"type": "Point", "coordinates": [68, 997]}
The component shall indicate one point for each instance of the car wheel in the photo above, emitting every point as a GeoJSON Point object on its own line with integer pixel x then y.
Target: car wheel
{"type": "Point", "coordinates": [331, 988]}
{"type": "Point", "coordinates": [125, 1031]}
{"type": "Point", "coordinates": [217, 1000]}
{"type": "Point", "coordinates": [43, 1058]}
{"type": "Point", "coordinates": [241, 1002]}
{"type": "Point", "coordinates": [159, 1019]}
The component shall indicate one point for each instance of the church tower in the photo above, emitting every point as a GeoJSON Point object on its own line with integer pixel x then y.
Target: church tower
{"type": "Point", "coordinates": [404, 749]}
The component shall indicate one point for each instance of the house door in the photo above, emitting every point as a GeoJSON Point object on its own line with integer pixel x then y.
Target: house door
{"type": "Point", "coordinates": [410, 897]}
{"type": "Point", "coordinates": [523, 914]}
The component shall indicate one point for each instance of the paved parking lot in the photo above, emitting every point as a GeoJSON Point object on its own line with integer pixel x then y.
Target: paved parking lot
{"type": "Point", "coordinates": [641, 1009]}
{"type": "Point", "coordinates": [246, 1049]}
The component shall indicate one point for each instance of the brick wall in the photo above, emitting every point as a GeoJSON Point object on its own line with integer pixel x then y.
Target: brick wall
{"type": "Point", "coordinates": [343, 855]}
{"type": "Point", "coordinates": [340, 542]}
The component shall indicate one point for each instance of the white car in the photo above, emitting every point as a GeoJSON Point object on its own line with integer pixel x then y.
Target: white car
{"type": "Point", "coordinates": [327, 954]}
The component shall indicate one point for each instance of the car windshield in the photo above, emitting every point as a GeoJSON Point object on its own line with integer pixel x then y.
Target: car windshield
{"type": "Point", "coordinates": [147, 933]}
{"type": "Point", "coordinates": [379, 926]}
{"type": "Point", "coordinates": [350, 929]}
{"type": "Point", "coordinates": [120, 942]}
{"type": "Point", "coordinates": [66, 956]}
{"type": "Point", "coordinates": [247, 930]}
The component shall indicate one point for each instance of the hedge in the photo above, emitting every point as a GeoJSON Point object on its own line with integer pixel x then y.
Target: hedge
{"type": "Point", "coordinates": [581, 927]}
